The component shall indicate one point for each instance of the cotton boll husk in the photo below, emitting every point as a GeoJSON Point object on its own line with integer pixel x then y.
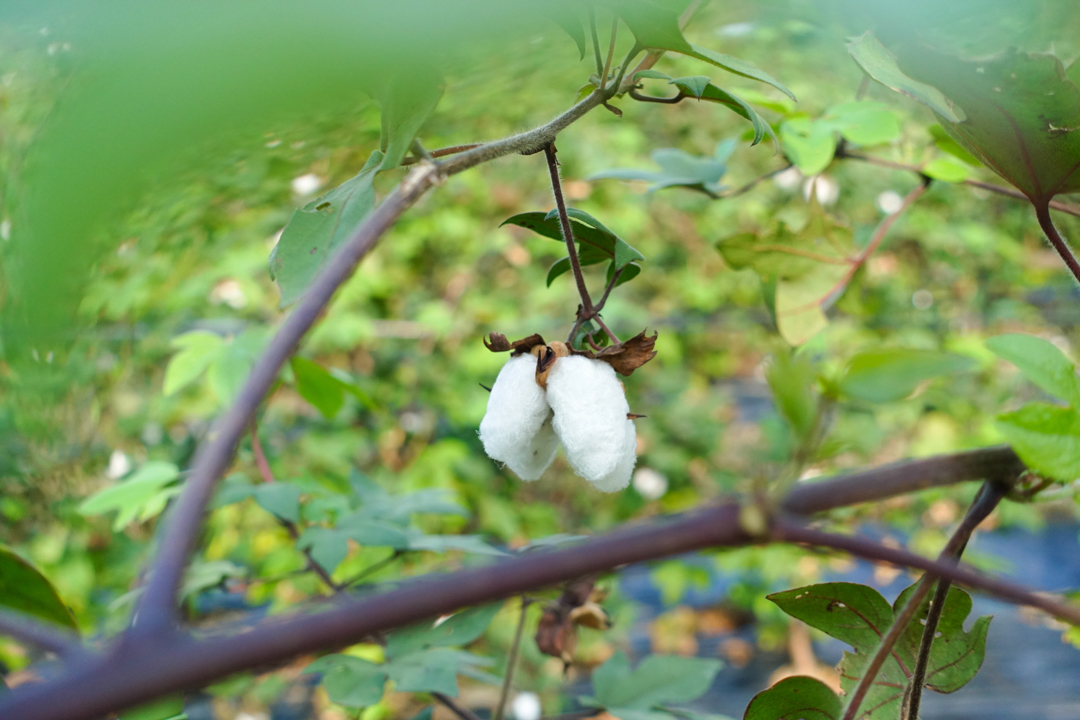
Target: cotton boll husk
{"type": "Point", "coordinates": [619, 478]}
{"type": "Point", "coordinates": [590, 415]}
{"type": "Point", "coordinates": [517, 429]}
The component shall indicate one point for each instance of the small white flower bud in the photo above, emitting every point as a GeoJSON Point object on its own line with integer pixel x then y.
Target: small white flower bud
{"type": "Point", "coordinates": [517, 428]}
{"type": "Point", "coordinates": [590, 418]}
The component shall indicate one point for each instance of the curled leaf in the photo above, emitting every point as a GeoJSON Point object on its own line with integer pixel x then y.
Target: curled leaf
{"type": "Point", "coordinates": [499, 343]}
{"type": "Point", "coordinates": [627, 356]}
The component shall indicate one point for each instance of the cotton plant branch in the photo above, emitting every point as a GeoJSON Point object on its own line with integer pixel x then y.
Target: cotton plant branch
{"type": "Point", "coordinates": [970, 182]}
{"type": "Point", "coordinates": [32, 632]}
{"type": "Point", "coordinates": [988, 498]}
{"type": "Point", "coordinates": [511, 660]}
{"type": "Point", "coordinates": [1042, 212]}
{"type": "Point", "coordinates": [137, 670]}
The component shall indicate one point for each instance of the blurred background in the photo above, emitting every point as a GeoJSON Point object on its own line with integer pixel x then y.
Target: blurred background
{"type": "Point", "coordinates": [151, 161]}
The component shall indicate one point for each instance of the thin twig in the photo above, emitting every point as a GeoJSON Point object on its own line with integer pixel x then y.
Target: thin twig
{"type": "Point", "coordinates": [33, 632]}
{"type": "Point", "coordinates": [1042, 212]}
{"type": "Point", "coordinates": [452, 705]}
{"type": "Point", "coordinates": [607, 291]}
{"type": "Point", "coordinates": [567, 229]}
{"type": "Point", "coordinates": [372, 569]}
{"type": "Point", "coordinates": [442, 152]}
{"type": "Point", "coordinates": [268, 477]}
{"type": "Point", "coordinates": [990, 187]}
{"type": "Point", "coordinates": [511, 660]}
{"type": "Point", "coordinates": [988, 498]}
{"type": "Point", "coordinates": [985, 502]}
{"type": "Point", "coordinates": [753, 183]}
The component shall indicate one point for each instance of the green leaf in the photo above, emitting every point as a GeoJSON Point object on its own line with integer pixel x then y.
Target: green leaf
{"type": "Point", "coordinates": [197, 350]}
{"type": "Point", "coordinates": [316, 230]}
{"type": "Point", "coordinates": [804, 272]}
{"type": "Point", "coordinates": [374, 533]}
{"type": "Point", "coordinates": [653, 25]}
{"type": "Point", "coordinates": [560, 267]}
{"type": "Point", "coordinates": [170, 708]}
{"type": "Point", "coordinates": [1041, 362]}
{"type": "Point", "coordinates": [24, 589]}
{"type": "Point", "coordinates": [657, 679]}
{"type": "Point", "coordinates": [864, 123]}
{"type": "Point", "coordinates": [325, 389]}
{"type": "Point", "coordinates": [1046, 437]}
{"type": "Point", "coordinates": [888, 374]}
{"type": "Point", "coordinates": [736, 66]}
{"type": "Point", "coordinates": [859, 616]}
{"type": "Point", "coordinates": [140, 497]}
{"type": "Point", "coordinates": [945, 143]}
{"type": "Point", "coordinates": [459, 629]}
{"type": "Point", "coordinates": [880, 64]}
{"type": "Point", "coordinates": [741, 107]}
{"type": "Point", "coordinates": [350, 681]}
{"type": "Point", "coordinates": [946, 170]}
{"type": "Point", "coordinates": [694, 85]}
{"type": "Point", "coordinates": [677, 169]}
{"type": "Point", "coordinates": [810, 144]}
{"type": "Point", "coordinates": [328, 546]}
{"type": "Point", "coordinates": [795, 698]}
{"type": "Point", "coordinates": [630, 272]}
{"type": "Point", "coordinates": [1016, 112]}
{"type": "Point", "coordinates": [432, 670]}
{"type": "Point", "coordinates": [281, 499]}
{"type": "Point", "coordinates": [596, 242]}
{"type": "Point", "coordinates": [792, 379]}
{"type": "Point", "coordinates": [406, 105]}
{"type": "Point", "coordinates": [202, 575]}
{"type": "Point", "coordinates": [571, 23]}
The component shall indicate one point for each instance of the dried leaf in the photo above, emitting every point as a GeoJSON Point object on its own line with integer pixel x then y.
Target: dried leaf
{"type": "Point", "coordinates": [499, 343]}
{"type": "Point", "coordinates": [627, 356]}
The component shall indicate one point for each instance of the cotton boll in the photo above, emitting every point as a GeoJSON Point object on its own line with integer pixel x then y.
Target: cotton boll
{"type": "Point", "coordinates": [619, 478]}
{"type": "Point", "coordinates": [517, 429]}
{"type": "Point", "coordinates": [590, 416]}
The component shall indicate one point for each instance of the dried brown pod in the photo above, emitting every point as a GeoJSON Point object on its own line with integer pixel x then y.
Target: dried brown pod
{"type": "Point", "coordinates": [627, 356]}
{"type": "Point", "coordinates": [556, 635]}
{"type": "Point", "coordinates": [499, 343]}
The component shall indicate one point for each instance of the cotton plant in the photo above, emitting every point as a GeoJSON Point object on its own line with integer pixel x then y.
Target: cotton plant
{"type": "Point", "coordinates": [550, 393]}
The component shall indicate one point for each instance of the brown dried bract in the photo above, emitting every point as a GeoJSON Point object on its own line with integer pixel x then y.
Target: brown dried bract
{"type": "Point", "coordinates": [627, 356]}
{"type": "Point", "coordinates": [556, 634]}
{"type": "Point", "coordinates": [499, 343]}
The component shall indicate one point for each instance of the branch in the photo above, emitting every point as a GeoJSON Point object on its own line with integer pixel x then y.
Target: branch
{"type": "Point", "coordinates": [989, 496]}
{"type": "Point", "coordinates": [511, 660]}
{"type": "Point", "coordinates": [990, 187]}
{"type": "Point", "coordinates": [28, 630]}
{"type": "Point", "coordinates": [661, 100]}
{"type": "Point", "coordinates": [1042, 212]}
{"type": "Point", "coordinates": [567, 230]}
{"type": "Point", "coordinates": [156, 614]}
{"type": "Point", "coordinates": [162, 665]}
{"type": "Point", "coordinates": [984, 504]}
{"type": "Point", "coordinates": [452, 706]}
{"type": "Point", "coordinates": [607, 65]}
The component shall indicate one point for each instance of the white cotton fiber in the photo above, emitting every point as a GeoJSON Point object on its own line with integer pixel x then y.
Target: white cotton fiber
{"type": "Point", "coordinates": [517, 429]}
{"type": "Point", "coordinates": [619, 478]}
{"type": "Point", "coordinates": [590, 418]}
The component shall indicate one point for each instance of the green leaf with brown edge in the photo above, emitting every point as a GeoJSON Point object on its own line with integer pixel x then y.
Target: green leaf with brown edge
{"type": "Point", "coordinates": [653, 25]}
{"type": "Point", "coordinates": [1046, 437]}
{"type": "Point", "coordinates": [736, 66]}
{"type": "Point", "coordinates": [24, 589]}
{"type": "Point", "coordinates": [1017, 113]}
{"type": "Point", "coordinates": [860, 616]}
{"type": "Point", "coordinates": [795, 698]}
{"type": "Point", "coordinates": [888, 374]}
{"type": "Point", "coordinates": [316, 230]}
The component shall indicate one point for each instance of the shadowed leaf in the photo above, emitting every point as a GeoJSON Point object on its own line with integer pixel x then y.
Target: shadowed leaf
{"type": "Point", "coordinates": [25, 589]}
{"type": "Point", "coordinates": [795, 698]}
